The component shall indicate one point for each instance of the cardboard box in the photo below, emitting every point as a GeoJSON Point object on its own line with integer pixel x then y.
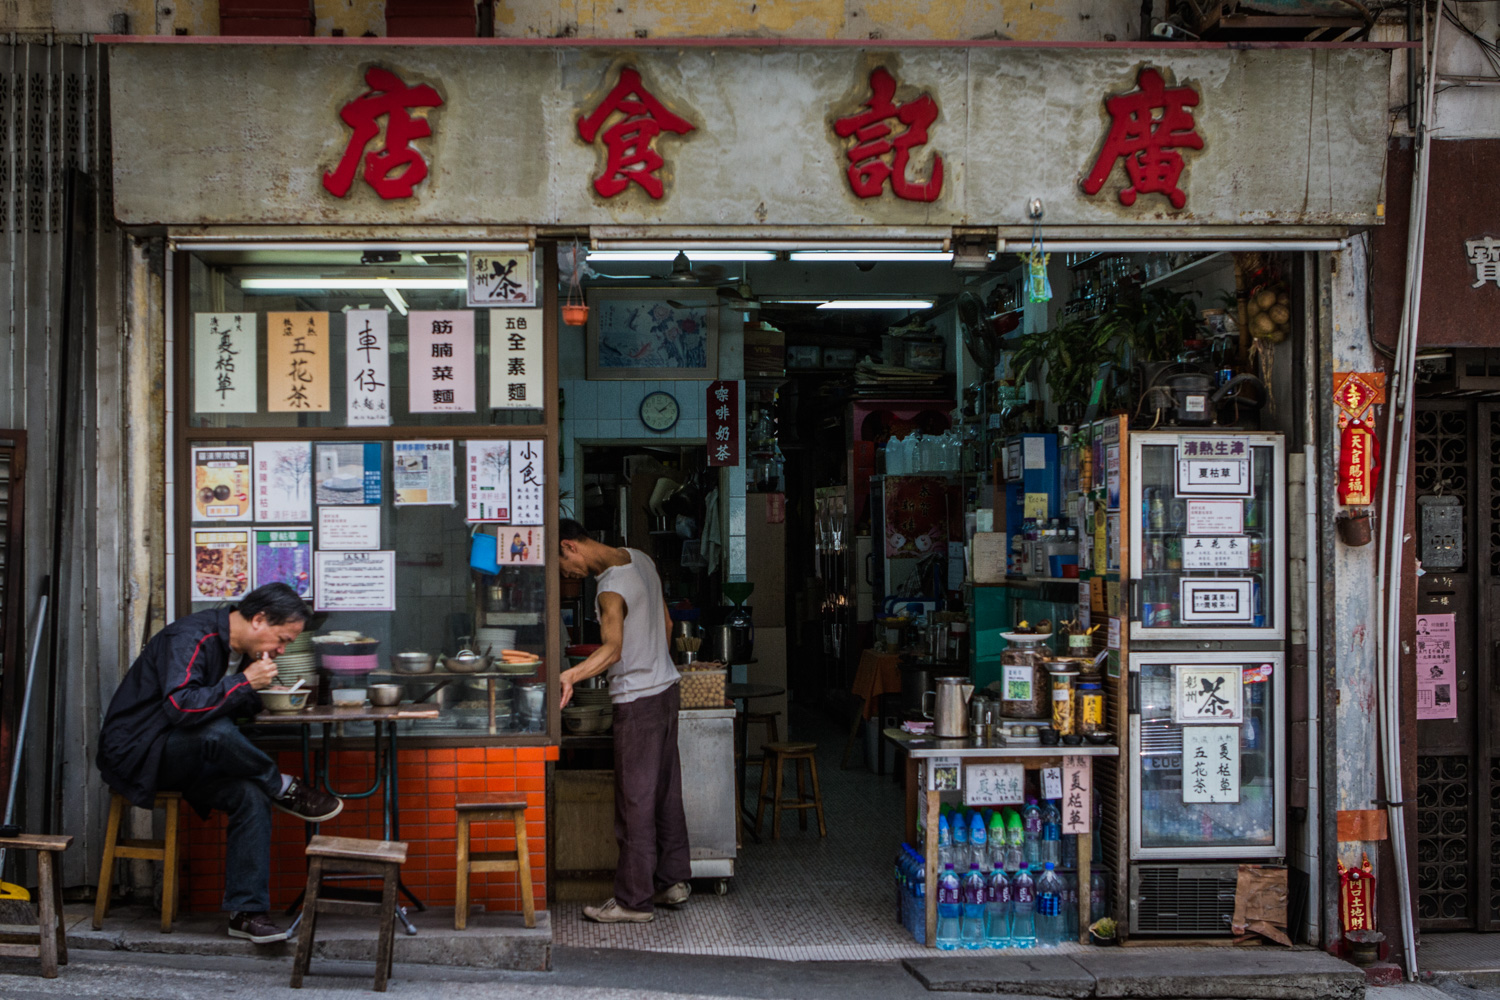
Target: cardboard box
{"type": "Point", "coordinates": [765, 350]}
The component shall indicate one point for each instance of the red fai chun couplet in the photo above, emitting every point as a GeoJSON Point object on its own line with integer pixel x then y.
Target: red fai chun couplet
{"type": "Point", "coordinates": [871, 129]}
{"type": "Point", "coordinates": [395, 168]}
{"type": "Point", "coordinates": [628, 148]}
{"type": "Point", "coordinates": [1147, 127]}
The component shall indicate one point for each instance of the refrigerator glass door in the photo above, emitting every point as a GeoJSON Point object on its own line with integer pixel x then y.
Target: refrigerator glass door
{"type": "Point", "coordinates": [1207, 555]}
{"type": "Point", "coordinates": [1207, 790]}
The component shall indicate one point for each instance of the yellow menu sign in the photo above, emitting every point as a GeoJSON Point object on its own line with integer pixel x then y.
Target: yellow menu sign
{"type": "Point", "coordinates": [297, 368]}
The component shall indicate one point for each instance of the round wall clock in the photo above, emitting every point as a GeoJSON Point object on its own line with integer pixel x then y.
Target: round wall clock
{"type": "Point", "coordinates": [659, 411]}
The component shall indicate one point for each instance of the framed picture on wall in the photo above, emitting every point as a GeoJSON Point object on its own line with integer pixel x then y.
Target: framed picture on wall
{"type": "Point", "coordinates": [653, 333]}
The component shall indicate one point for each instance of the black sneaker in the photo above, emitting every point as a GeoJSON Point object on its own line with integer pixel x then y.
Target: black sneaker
{"type": "Point", "coordinates": [308, 804]}
{"type": "Point", "coordinates": [256, 928]}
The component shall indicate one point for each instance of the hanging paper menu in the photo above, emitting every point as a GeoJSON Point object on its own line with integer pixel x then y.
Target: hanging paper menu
{"type": "Point", "coordinates": [221, 484]}
{"type": "Point", "coordinates": [367, 357]}
{"type": "Point", "coordinates": [348, 474]}
{"type": "Point", "coordinates": [515, 359]}
{"type": "Point", "coordinates": [355, 581]}
{"type": "Point", "coordinates": [440, 360]}
{"type": "Point", "coordinates": [284, 555]}
{"type": "Point", "coordinates": [1077, 799]}
{"type": "Point", "coordinates": [526, 482]}
{"type": "Point", "coordinates": [1211, 764]}
{"type": "Point", "coordinates": [423, 473]}
{"type": "Point", "coordinates": [221, 564]}
{"type": "Point", "coordinates": [297, 362]}
{"type": "Point", "coordinates": [502, 277]}
{"type": "Point", "coordinates": [489, 480]}
{"type": "Point", "coordinates": [283, 480]}
{"type": "Point", "coordinates": [224, 363]}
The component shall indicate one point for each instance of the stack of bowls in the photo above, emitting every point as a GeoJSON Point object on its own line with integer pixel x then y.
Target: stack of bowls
{"type": "Point", "coordinates": [494, 639]}
{"type": "Point", "coordinates": [298, 663]}
{"type": "Point", "coordinates": [347, 652]}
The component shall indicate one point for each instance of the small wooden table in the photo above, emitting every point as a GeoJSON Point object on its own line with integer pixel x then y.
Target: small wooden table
{"type": "Point", "coordinates": [52, 937]}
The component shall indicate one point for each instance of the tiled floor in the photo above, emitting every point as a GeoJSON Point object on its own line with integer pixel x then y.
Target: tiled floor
{"type": "Point", "coordinates": [799, 899]}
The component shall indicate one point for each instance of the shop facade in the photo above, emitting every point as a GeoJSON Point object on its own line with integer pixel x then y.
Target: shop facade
{"type": "Point", "coordinates": [282, 164]}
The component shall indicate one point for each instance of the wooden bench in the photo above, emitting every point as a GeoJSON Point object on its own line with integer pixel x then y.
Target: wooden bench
{"type": "Point", "coordinates": [118, 849]}
{"type": "Point", "coordinates": [380, 859]}
{"type": "Point", "coordinates": [52, 936]}
{"type": "Point", "coordinates": [478, 807]}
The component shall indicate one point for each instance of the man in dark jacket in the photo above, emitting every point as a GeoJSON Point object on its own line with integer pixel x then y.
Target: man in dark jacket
{"type": "Point", "coordinates": [169, 727]}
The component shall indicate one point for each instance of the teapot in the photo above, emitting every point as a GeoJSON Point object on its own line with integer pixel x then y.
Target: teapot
{"type": "Point", "coordinates": [950, 710]}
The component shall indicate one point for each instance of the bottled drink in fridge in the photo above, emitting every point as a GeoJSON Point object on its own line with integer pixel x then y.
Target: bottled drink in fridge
{"type": "Point", "coordinates": [1051, 834]}
{"type": "Point", "coordinates": [1015, 840]}
{"type": "Point", "coordinates": [995, 841]}
{"type": "Point", "coordinates": [1049, 920]}
{"type": "Point", "coordinates": [959, 827]}
{"type": "Point", "coordinates": [945, 840]}
{"type": "Point", "coordinates": [979, 849]}
{"type": "Point", "coordinates": [918, 904]}
{"type": "Point", "coordinates": [949, 909]}
{"type": "Point", "coordinates": [1070, 906]}
{"type": "Point", "coordinates": [997, 917]}
{"type": "Point", "coordinates": [975, 894]}
{"type": "Point", "coordinates": [1098, 895]}
{"type": "Point", "coordinates": [900, 875]}
{"type": "Point", "coordinates": [1023, 910]}
{"type": "Point", "coordinates": [1032, 819]}
{"type": "Point", "coordinates": [1069, 851]}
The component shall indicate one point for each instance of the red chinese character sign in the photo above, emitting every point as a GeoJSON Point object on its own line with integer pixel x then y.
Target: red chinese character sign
{"type": "Point", "coordinates": [1357, 896]}
{"type": "Point", "coordinates": [1357, 394]}
{"type": "Point", "coordinates": [393, 169]}
{"type": "Point", "coordinates": [723, 424]}
{"type": "Point", "coordinates": [1147, 127]}
{"type": "Point", "coordinates": [877, 157]}
{"type": "Point", "coordinates": [638, 118]}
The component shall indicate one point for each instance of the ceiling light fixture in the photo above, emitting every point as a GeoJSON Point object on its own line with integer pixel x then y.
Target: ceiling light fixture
{"type": "Point", "coordinates": [667, 256]}
{"type": "Point", "coordinates": [346, 284]}
{"type": "Point", "coordinates": [911, 305]}
{"type": "Point", "coordinates": [872, 256]}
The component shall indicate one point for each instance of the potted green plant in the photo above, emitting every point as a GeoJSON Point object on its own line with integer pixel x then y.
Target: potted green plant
{"type": "Point", "coordinates": [1102, 932]}
{"type": "Point", "coordinates": [1076, 354]}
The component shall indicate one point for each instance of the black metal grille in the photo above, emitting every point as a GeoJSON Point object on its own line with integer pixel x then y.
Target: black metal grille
{"type": "Point", "coordinates": [1442, 454]}
{"type": "Point", "coordinates": [1495, 840]}
{"type": "Point", "coordinates": [1443, 838]}
{"type": "Point", "coordinates": [1183, 899]}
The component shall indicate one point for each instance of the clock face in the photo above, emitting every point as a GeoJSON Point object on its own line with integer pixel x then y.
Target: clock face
{"type": "Point", "coordinates": [659, 411]}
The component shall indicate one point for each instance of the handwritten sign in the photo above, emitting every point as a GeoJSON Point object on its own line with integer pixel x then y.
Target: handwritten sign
{"type": "Point", "coordinates": [1216, 552]}
{"type": "Point", "coordinates": [440, 361]}
{"type": "Point", "coordinates": [1207, 694]}
{"type": "Point", "coordinates": [502, 278]}
{"type": "Point", "coordinates": [489, 481]}
{"type": "Point", "coordinates": [515, 359]}
{"type": "Point", "coordinates": [526, 482]}
{"type": "Point", "coordinates": [1077, 799]}
{"type": "Point", "coordinates": [224, 363]}
{"type": "Point", "coordinates": [297, 362]}
{"type": "Point", "coordinates": [355, 581]}
{"type": "Point", "coordinates": [1215, 517]}
{"type": "Point", "coordinates": [994, 784]}
{"type": "Point", "coordinates": [1211, 764]}
{"type": "Point", "coordinates": [348, 528]}
{"type": "Point", "coordinates": [1216, 476]}
{"type": "Point", "coordinates": [1436, 668]}
{"type": "Point", "coordinates": [283, 480]}
{"type": "Point", "coordinates": [1052, 783]}
{"type": "Point", "coordinates": [1217, 601]}
{"type": "Point", "coordinates": [367, 356]}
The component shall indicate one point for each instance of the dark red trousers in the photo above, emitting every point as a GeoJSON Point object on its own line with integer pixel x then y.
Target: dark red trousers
{"type": "Point", "coordinates": [650, 826]}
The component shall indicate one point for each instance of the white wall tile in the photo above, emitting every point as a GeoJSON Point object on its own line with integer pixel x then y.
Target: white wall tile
{"type": "Point", "coordinates": [586, 429]}
{"type": "Point", "coordinates": [737, 515]}
{"type": "Point", "coordinates": [609, 399]}
{"type": "Point", "coordinates": [738, 560]}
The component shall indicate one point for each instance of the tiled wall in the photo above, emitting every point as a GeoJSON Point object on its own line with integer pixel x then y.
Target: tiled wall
{"type": "Point", "coordinates": [430, 779]}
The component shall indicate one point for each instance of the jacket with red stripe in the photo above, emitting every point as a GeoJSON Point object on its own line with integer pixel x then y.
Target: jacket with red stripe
{"type": "Point", "coordinates": [181, 679]}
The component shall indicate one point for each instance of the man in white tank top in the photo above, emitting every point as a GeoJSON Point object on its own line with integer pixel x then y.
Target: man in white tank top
{"type": "Point", "coordinates": [650, 826]}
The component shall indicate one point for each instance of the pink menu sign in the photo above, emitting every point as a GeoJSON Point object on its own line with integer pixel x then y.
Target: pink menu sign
{"type": "Point", "coordinates": [1437, 669]}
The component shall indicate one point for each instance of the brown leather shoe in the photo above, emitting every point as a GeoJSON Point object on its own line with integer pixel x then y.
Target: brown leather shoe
{"type": "Point", "coordinates": [256, 928]}
{"type": "Point", "coordinates": [307, 803]}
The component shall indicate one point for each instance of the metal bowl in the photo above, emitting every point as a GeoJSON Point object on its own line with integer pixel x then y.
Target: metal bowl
{"type": "Point", "coordinates": [466, 662]}
{"type": "Point", "coordinates": [385, 695]}
{"type": "Point", "coordinates": [412, 663]}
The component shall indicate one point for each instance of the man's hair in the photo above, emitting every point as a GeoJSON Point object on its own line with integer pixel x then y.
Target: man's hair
{"type": "Point", "coordinates": [569, 530]}
{"type": "Point", "coordinates": [278, 602]}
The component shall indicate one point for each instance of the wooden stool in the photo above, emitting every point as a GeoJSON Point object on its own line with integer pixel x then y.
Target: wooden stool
{"type": "Point", "coordinates": [118, 849]}
{"type": "Point", "coordinates": [777, 754]}
{"type": "Point", "coordinates": [51, 933]}
{"type": "Point", "coordinates": [380, 859]}
{"type": "Point", "coordinates": [767, 719]}
{"type": "Point", "coordinates": [478, 807]}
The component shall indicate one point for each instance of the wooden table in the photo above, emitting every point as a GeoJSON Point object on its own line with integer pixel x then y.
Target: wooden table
{"type": "Point", "coordinates": [387, 778]}
{"type": "Point", "coordinates": [1032, 758]}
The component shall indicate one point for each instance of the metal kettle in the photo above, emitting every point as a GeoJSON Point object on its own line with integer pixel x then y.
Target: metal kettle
{"type": "Point", "coordinates": [950, 707]}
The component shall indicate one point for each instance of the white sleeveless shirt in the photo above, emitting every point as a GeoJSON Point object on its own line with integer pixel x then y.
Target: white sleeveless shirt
{"type": "Point", "coordinates": [645, 667]}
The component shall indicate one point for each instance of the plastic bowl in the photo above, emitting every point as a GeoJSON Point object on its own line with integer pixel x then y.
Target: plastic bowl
{"type": "Point", "coordinates": [349, 697]}
{"type": "Point", "coordinates": [336, 664]}
{"type": "Point", "coordinates": [339, 647]}
{"type": "Point", "coordinates": [284, 702]}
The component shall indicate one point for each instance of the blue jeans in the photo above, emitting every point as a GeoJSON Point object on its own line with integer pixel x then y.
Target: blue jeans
{"type": "Point", "coordinates": [215, 767]}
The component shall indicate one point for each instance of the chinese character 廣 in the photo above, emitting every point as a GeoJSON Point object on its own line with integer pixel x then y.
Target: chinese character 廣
{"type": "Point", "coordinates": [1147, 127]}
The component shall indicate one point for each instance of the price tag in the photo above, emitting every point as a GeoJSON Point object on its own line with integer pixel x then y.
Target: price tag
{"type": "Point", "coordinates": [1052, 785]}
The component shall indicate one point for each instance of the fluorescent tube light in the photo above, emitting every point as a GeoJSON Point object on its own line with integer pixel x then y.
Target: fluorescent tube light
{"type": "Point", "coordinates": [872, 256]}
{"type": "Point", "coordinates": [396, 299]}
{"type": "Point", "coordinates": [907, 304]}
{"type": "Point", "coordinates": [342, 284]}
{"type": "Point", "coordinates": [667, 256]}
{"type": "Point", "coordinates": [793, 301]}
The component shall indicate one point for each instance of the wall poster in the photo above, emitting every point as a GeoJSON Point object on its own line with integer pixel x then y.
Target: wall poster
{"type": "Point", "coordinates": [1437, 670]}
{"type": "Point", "coordinates": [284, 555]}
{"type": "Point", "coordinates": [221, 564]}
{"type": "Point", "coordinates": [283, 480]}
{"type": "Point", "coordinates": [221, 484]}
{"type": "Point", "coordinates": [297, 378]}
{"type": "Point", "coordinates": [526, 482]}
{"type": "Point", "coordinates": [515, 359]}
{"type": "Point", "coordinates": [423, 473]}
{"type": "Point", "coordinates": [224, 359]}
{"type": "Point", "coordinates": [367, 359]}
{"type": "Point", "coordinates": [1208, 693]}
{"type": "Point", "coordinates": [355, 581]}
{"type": "Point", "coordinates": [503, 278]}
{"type": "Point", "coordinates": [489, 480]}
{"type": "Point", "coordinates": [1211, 764]}
{"type": "Point", "coordinates": [522, 546]}
{"type": "Point", "coordinates": [348, 528]}
{"type": "Point", "coordinates": [440, 361]}
{"type": "Point", "coordinates": [348, 474]}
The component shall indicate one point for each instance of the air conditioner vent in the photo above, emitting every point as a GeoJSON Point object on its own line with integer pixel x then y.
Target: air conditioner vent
{"type": "Point", "coordinates": [1182, 899]}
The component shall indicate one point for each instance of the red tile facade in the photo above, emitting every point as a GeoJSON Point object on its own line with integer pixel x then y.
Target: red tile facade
{"type": "Point", "coordinates": [430, 779]}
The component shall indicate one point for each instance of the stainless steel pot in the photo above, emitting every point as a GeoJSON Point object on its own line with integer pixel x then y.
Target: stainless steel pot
{"type": "Point", "coordinates": [412, 663]}
{"type": "Point", "coordinates": [731, 643]}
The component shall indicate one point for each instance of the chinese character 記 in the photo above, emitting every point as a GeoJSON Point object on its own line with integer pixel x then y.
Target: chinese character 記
{"type": "Point", "coordinates": [871, 129]}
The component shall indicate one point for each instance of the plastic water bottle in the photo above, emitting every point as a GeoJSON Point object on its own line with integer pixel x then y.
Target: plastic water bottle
{"type": "Point", "coordinates": [945, 840]}
{"type": "Point", "coordinates": [908, 884]}
{"type": "Point", "coordinates": [1052, 834]}
{"type": "Point", "coordinates": [959, 827]}
{"type": "Point", "coordinates": [1070, 906]}
{"type": "Point", "coordinates": [1015, 839]}
{"type": "Point", "coordinates": [1049, 920]}
{"type": "Point", "coordinates": [975, 893]}
{"type": "Point", "coordinates": [997, 911]}
{"type": "Point", "coordinates": [1023, 910]}
{"type": "Point", "coordinates": [979, 843]}
{"type": "Point", "coordinates": [1069, 851]}
{"type": "Point", "coordinates": [1031, 819]}
{"type": "Point", "coordinates": [995, 841]}
{"type": "Point", "coordinates": [949, 909]}
{"type": "Point", "coordinates": [1098, 895]}
{"type": "Point", "coordinates": [919, 899]}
